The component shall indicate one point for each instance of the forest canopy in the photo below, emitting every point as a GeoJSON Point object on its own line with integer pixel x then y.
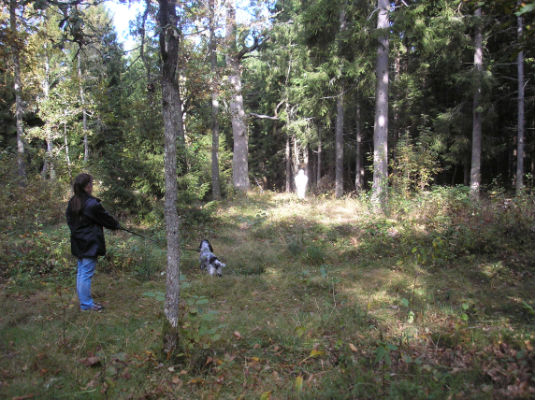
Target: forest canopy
{"type": "Point", "coordinates": [296, 80]}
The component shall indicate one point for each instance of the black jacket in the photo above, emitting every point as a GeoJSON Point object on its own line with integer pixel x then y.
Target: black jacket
{"type": "Point", "coordinates": [87, 235]}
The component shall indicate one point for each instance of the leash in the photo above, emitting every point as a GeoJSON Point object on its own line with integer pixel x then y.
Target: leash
{"type": "Point", "coordinates": [122, 228]}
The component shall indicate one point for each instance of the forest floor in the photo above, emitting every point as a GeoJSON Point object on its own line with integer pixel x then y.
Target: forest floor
{"type": "Point", "coordinates": [321, 299]}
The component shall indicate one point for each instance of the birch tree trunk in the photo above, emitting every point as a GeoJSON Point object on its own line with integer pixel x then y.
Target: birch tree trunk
{"type": "Point", "coordinates": [67, 155]}
{"type": "Point", "coordinates": [216, 186]}
{"type": "Point", "coordinates": [520, 117]}
{"type": "Point", "coordinates": [48, 164]}
{"type": "Point", "coordinates": [169, 45]}
{"type": "Point", "coordinates": [240, 163]}
{"type": "Point", "coordinates": [21, 164]}
{"type": "Point", "coordinates": [288, 161]}
{"type": "Point", "coordinates": [287, 153]}
{"type": "Point", "coordinates": [296, 161]}
{"type": "Point", "coordinates": [318, 168]}
{"type": "Point", "coordinates": [306, 161]}
{"type": "Point", "coordinates": [84, 111]}
{"type": "Point", "coordinates": [359, 171]}
{"type": "Point", "coordinates": [339, 140]}
{"type": "Point", "coordinates": [475, 169]}
{"type": "Point", "coordinates": [380, 132]}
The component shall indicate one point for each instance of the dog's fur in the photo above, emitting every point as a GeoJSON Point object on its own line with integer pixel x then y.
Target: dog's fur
{"type": "Point", "coordinates": [209, 262]}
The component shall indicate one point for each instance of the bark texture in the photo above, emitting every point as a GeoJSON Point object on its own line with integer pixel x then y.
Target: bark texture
{"type": "Point", "coordinates": [48, 163]}
{"type": "Point", "coordinates": [21, 164]}
{"type": "Point", "coordinates": [216, 186]}
{"type": "Point", "coordinates": [339, 140]}
{"type": "Point", "coordinates": [240, 162]}
{"type": "Point", "coordinates": [288, 162]}
{"type": "Point", "coordinates": [339, 129]}
{"type": "Point", "coordinates": [359, 170]}
{"type": "Point", "coordinates": [84, 112]}
{"type": "Point", "coordinates": [380, 132]}
{"type": "Point", "coordinates": [171, 106]}
{"type": "Point", "coordinates": [475, 166]}
{"type": "Point", "coordinates": [520, 118]}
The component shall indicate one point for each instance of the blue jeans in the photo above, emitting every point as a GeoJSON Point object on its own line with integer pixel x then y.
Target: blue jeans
{"type": "Point", "coordinates": [86, 269]}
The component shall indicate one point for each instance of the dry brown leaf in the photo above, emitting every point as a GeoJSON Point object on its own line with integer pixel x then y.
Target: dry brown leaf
{"type": "Point", "coordinates": [237, 335]}
{"type": "Point", "coordinates": [353, 348]}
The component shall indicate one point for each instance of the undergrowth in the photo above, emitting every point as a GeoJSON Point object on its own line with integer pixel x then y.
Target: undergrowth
{"type": "Point", "coordinates": [320, 299]}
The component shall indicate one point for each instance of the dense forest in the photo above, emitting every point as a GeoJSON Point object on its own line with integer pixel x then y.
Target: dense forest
{"type": "Point", "coordinates": [291, 85]}
{"type": "Point", "coordinates": [407, 272]}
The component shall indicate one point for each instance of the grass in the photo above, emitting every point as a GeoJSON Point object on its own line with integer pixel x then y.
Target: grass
{"type": "Point", "coordinates": [321, 299]}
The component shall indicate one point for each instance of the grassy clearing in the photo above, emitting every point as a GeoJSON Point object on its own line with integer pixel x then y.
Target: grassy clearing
{"type": "Point", "coordinates": [321, 300]}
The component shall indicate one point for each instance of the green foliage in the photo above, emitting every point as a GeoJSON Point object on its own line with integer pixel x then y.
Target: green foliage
{"type": "Point", "coordinates": [414, 165]}
{"type": "Point", "coordinates": [376, 321]}
{"type": "Point", "coordinates": [27, 208]}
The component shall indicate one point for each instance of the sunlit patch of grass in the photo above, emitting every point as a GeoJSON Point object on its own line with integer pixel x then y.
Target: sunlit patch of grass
{"type": "Point", "coordinates": [304, 281]}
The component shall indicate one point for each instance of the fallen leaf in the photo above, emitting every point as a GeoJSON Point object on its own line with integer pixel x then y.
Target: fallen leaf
{"type": "Point", "coordinates": [237, 335]}
{"type": "Point", "coordinates": [299, 383]}
{"type": "Point", "coordinates": [316, 353]}
{"type": "Point", "coordinates": [196, 380]}
{"type": "Point", "coordinates": [175, 380]}
{"type": "Point", "coordinates": [265, 396]}
{"type": "Point", "coordinates": [353, 348]}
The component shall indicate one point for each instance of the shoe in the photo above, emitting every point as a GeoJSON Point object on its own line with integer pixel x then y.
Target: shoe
{"type": "Point", "coordinates": [96, 307]}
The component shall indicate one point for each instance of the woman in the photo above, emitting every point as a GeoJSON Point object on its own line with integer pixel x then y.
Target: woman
{"type": "Point", "coordinates": [86, 217]}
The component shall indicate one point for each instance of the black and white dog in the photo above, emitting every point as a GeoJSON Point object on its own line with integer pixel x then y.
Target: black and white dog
{"type": "Point", "coordinates": [209, 262]}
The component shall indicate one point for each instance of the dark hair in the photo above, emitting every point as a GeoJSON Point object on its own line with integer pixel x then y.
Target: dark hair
{"type": "Point", "coordinates": [80, 182]}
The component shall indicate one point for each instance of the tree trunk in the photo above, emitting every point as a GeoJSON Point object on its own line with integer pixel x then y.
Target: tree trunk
{"type": "Point", "coordinates": [21, 164]}
{"type": "Point", "coordinates": [380, 132]}
{"type": "Point", "coordinates": [339, 163]}
{"type": "Point", "coordinates": [339, 130]}
{"type": "Point", "coordinates": [142, 46]}
{"type": "Point", "coordinates": [306, 160]}
{"type": "Point", "coordinates": [84, 111]}
{"type": "Point", "coordinates": [475, 169]}
{"type": "Point", "coordinates": [288, 161]}
{"type": "Point", "coordinates": [396, 134]}
{"type": "Point", "coordinates": [216, 186]}
{"type": "Point", "coordinates": [318, 167]}
{"type": "Point", "coordinates": [169, 45]}
{"type": "Point", "coordinates": [67, 155]}
{"type": "Point", "coordinates": [48, 164]}
{"type": "Point", "coordinates": [359, 171]}
{"type": "Point", "coordinates": [520, 116]}
{"type": "Point", "coordinates": [240, 163]}
{"type": "Point", "coordinates": [296, 162]}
